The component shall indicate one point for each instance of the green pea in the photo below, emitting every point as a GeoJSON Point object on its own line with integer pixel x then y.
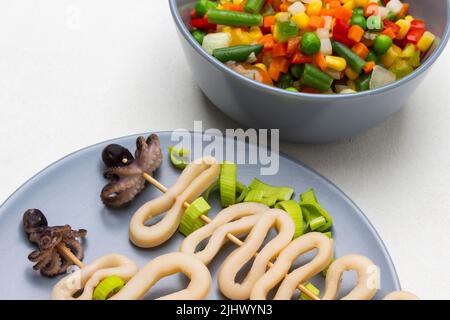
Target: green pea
{"type": "Point", "coordinates": [198, 35]}
{"type": "Point", "coordinates": [358, 11]}
{"type": "Point", "coordinates": [359, 20]}
{"type": "Point", "coordinates": [382, 44]}
{"type": "Point", "coordinates": [310, 43]}
{"type": "Point", "coordinates": [291, 89]}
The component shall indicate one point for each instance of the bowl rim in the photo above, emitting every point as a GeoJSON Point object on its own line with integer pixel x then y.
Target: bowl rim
{"type": "Point", "coordinates": [182, 28]}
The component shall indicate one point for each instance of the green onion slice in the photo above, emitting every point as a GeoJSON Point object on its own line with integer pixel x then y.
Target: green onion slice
{"type": "Point", "coordinates": [210, 189]}
{"type": "Point", "coordinates": [179, 157]}
{"type": "Point", "coordinates": [227, 184]}
{"type": "Point", "coordinates": [108, 287]}
{"type": "Point", "coordinates": [311, 288]}
{"type": "Point", "coordinates": [261, 196]}
{"type": "Point", "coordinates": [282, 193]}
{"type": "Point", "coordinates": [242, 190]}
{"type": "Point", "coordinates": [190, 220]}
{"type": "Point", "coordinates": [295, 212]}
{"type": "Point", "coordinates": [312, 211]}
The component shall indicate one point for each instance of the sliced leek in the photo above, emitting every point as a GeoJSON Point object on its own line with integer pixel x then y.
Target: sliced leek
{"type": "Point", "coordinates": [191, 218]}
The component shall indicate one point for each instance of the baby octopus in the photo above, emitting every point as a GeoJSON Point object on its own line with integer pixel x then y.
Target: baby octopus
{"type": "Point", "coordinates": [125, 172]}
{"type": "Point", "coordinates": [47, 258]}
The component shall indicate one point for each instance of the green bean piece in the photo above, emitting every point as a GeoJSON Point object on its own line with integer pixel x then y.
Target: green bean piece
{"type": "Point", "coordinates": [391, 16]}
{"type": "Point", "coordinates": [198, 35]}
{"type": "Point", "coordinates": [202, 6]}
{"type": "Point", "coordinates": [314, 78]}
{"type": "Point", "coordinates": [355, 62]}
{"type": "Point", "coordinates": [234, 18]}
{"type": "Point", "coordinates": [297, 70]}
{"type": "Point", "coordinates": [372, 56]}
{"type": "Point", "coordinates": [237, 53]}
{"type": "Point", "coordinates": [285, 81]}
{"type": "Point", "coordinates": [363, 83]}
{"type": "Point", "coordinates": [254, 6]}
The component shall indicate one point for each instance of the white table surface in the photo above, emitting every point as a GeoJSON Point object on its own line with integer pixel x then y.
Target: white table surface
{"type": "Point", "coordinates": [121, 71]}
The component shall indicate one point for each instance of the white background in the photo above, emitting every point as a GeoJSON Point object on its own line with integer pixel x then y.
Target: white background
{"type": "Point", "coordinates": [122, 71]}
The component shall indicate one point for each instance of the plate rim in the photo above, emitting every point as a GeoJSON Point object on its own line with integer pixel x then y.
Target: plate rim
{"type": "Point", "coordinates": [343, 195]}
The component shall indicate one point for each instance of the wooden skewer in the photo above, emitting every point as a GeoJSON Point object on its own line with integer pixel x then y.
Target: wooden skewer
{"type": "Point", "coordinates": [230, 236]}
{"type": "Point", "coordinates": [70, 256]}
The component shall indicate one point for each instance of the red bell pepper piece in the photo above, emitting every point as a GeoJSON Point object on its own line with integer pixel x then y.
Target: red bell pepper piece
{"type": "Point", "coordinates": [340, 32]}
{"type": "Point", "coordinates": [391, 25]}
{"type": "Point", "coordinates": [417, 25]}
{"type": "Point", "coordinates": [299, 58]}
{"type": "Point", "coordinates": [310, 90]}
{"type": "Point", "coordinates": [202, 23]}
{"type": "Point", "coordinates": [414, 35]}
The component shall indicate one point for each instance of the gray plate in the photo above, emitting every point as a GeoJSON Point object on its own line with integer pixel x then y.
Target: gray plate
{"type": "Point", "coordinates": [68, 193]}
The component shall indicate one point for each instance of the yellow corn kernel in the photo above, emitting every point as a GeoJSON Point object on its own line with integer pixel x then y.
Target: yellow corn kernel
{"type": "Point", "coordinates": [255, 33]}
{"type": "Point", "coordinates": [351, 84]}
{"type": "Point", "coordinates": [389, 57]}
{"type": "Point", "coordinates": [408, 51]}
{"type": "Point", "coordinates": [314, 8]}
{"type": "Point", "coordinates": [426, 41]}
{"type": "Point", "coordinates": [409, 18]}
{"type": "Point", "coordinates": [301, 20]}
{"type": "Point", "coordinates": [404, 28]}
{"type": "Point", "coordinates": [349, 4]}
{"type": "Point", "coordinates": [227, 29]}
{"type": "Point", "coordinates": [336, 63]}
{"type": "Point", "coordinates": [361, 3]}
{"type": "Point", "coordinates": [351, 74]}
{"type": "Point", "coordinates": [261, 66]}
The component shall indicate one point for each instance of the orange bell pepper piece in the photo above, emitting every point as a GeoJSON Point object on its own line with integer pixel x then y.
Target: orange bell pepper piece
{"type": "Point", "coordinates": [319, 60]}
{"type": "Point", "coordinates": [390, 33]}
{"type": "Point", "coordinates": [267, 41]}
{"type": "Point", "coordinates": [316, 22]}
{"type": "Point", "coordinates": [361, 50]}
{"type": "Point", "coordinates": [368, 68]}
{"type": "Point", "coordinates": [269, 21]}
{"type": "Point", "coordinates": [355, 33]}
{"type": "Point", "coordinates": [279, 50]}
{"type": "Point", "coordinates": [293, 46]}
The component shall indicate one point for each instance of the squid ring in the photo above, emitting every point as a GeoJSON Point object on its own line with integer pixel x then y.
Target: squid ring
{"type": "Point", "coordinates": [280, 269]}
{"type": "Point", "coordinates": [400, 295]}
{"type": "Point", "coordinates": [368, 278]}
{"type": "Point", "coordinates": [242, 255]}
{"type": "Point", "coordinates": [165, 265]}
{"type": "Point", "coordinates": [193, 181]}
{"type": "Point", "coordinates": [90, 276]}
{"type": "Point", "coordinates": [225, 222]}
{"type": "Point", "coordinates": [256, 220]}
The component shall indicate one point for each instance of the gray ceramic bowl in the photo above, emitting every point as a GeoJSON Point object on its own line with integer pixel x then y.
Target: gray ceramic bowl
{"type": "Point", "coordinates": [305, 117]}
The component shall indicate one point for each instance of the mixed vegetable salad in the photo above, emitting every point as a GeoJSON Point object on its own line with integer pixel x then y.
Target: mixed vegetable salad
{"type": "Point", "coordinates": [313, 46]}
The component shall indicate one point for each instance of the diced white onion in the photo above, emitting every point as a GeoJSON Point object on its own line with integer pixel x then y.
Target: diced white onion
{"type": "Point", "coordinates": [252, 58]}
{"type": "Point", "coordinates": [383, 12]}
{"type": "Point", "coordinates": [296, 8]}
{"type": "Point", "coordinates": [347, 91]}
{"type": "Point", "coordinates": [339, 88]}
{"type": "Point", "coordinates": [334, 74]}
{"type": "Point", "coordinates": [309, 1]}
{"type": "Point", "coordinates": [328, 22]}
{"type": "Point", "coordinates": [325, 47]}
{"type": "Point", "coordinates": [283, 16]}
{"type": "Point", "coordinates": [323, 33]}
{"type": "Point", "coordinates": [394, 6]}
{"type": "Point", "coordinates": [370, 35]}
{"type": "Point", "coordinates": [217, 40]}
{"type": "Point", "coordinates": [381, 77]}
